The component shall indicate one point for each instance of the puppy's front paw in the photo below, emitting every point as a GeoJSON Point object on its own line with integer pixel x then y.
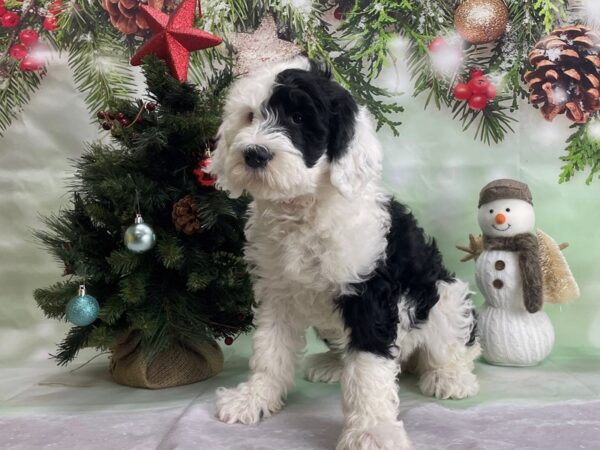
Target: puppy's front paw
{"type": "Point", "coordinates": [387, 435]}
{"type": "Point", "coordinates": [324, 368]}
{"type": "Point", "coordinates": [449, 384]}
{"type": "Point", "coordinates": [245, 404]}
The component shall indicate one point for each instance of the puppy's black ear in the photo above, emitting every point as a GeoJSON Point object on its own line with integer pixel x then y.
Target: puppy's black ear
{"type": "Point", "coordinates": [353, 149]}
{"type": "Point", "coordinates": [342, 122]}
{"type": "Point", "coordinates": [342, 110]}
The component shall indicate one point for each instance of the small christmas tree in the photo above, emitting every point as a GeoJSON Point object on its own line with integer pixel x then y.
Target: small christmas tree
{"type": "Point", "coordinates": [189, 288]}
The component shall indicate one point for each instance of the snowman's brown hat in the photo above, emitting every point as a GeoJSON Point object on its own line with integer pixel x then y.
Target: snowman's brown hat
{"type": "Point", "coordinates": [503, 189]}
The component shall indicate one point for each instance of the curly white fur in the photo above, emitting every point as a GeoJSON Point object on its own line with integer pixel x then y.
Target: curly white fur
{"type": "Point", "coordinates": [311, 233]}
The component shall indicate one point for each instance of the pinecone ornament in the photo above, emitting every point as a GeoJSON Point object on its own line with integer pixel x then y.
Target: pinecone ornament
{"type": "Point", "coordinates": [125, 14]}
{"type": "Point", "coordinates": [566, 74]}
{"type": "Point", "coordinates": [185, 215]}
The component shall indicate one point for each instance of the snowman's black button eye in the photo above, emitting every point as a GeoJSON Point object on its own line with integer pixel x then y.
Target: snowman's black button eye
{"type": "Point", "coordinates": [491, 211]}
{"type": "Point", "coordinates": [507, 209]}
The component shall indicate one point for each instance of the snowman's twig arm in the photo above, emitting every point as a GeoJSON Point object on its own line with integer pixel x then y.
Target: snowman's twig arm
{"type": "Point", "coordinates": [467, 257]}
{"type": "Point", "coordinates": [473, 250]}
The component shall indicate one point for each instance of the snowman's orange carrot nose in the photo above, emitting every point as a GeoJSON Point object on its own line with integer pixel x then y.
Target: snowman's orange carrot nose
{"type": "Point", "coordinates": [500, 218]}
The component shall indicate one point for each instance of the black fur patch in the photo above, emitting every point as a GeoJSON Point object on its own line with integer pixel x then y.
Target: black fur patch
{"type": "Point", "coordinates": [474, 334]}
{"type": "Point", "coordinates": [412, 267]}
{"type": "Point", "coordinates": [315, 111]}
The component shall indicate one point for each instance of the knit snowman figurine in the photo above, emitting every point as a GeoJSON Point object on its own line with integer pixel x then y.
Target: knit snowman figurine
{"type": "Point", "coordinates": [512, 263]}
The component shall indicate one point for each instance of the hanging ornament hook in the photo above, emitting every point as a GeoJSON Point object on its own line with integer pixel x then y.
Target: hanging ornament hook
{"type": "Point", "coordinates": [138, 209]}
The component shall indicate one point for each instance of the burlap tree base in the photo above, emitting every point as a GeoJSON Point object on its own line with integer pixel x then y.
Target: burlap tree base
{"type": "Point", "coordinates": [181, 364]}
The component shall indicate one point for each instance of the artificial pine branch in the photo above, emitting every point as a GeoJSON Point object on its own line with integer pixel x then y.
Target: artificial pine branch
{"type": "Point", "coordinates": [101, 69]}
{"type": "Point", "coordinates": [123, 262]}
{"type": "Point", "coordinates": [583, 154]}
{"type": "Point", "coordinates": [112, 311]}
{"type": "Point", "coordinates": [53, 299]}
{"type": "Point", "coordinates": [550, 12]}
{"type": "Point", "coordinates": [76, 339]}
{"type": "Point", "coordinates": [17, 86]}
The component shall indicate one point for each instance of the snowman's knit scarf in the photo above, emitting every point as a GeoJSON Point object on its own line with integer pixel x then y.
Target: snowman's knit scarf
{"type": "Point", "coordinates": [526, 245]}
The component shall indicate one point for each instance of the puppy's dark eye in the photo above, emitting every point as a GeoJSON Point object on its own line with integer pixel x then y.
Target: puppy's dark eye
{"type": "Point", "coordinates": [250, 117]}
{"type": "Point", "coordinates": [507, 209]}
{"type": "Point", "coordinates": [491, 211]}
{"type": "Point", "coordinates": [297, 118]}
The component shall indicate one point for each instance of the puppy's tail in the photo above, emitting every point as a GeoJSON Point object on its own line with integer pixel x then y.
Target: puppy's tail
{"type": "Point", "coordinates": [455, 300]}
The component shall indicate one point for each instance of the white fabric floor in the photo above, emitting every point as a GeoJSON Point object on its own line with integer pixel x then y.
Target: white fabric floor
{"type": "Point", "coordinates": [553, 406]}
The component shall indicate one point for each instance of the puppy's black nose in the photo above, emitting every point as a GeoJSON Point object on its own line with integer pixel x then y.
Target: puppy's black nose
{"type": "Point", "coordinates": [257, 156]}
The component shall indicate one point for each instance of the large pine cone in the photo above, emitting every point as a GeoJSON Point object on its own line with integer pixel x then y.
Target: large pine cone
{"type": "Point", "coordinates": [185, 215]}
{"type": "Point", "coordinates": [126, 17]}
{"type": "Point", "coordinates": [566, 74]}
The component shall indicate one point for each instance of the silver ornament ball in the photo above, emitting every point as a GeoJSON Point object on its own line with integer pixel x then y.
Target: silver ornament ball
{"type": "Point", "coordinates": [139, 237]}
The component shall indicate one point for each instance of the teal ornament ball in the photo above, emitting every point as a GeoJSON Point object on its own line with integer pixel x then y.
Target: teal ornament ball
{"type": "Point", "coordinates": [139, 237]}
{"type": "Point", "coordinates": [82, 309]}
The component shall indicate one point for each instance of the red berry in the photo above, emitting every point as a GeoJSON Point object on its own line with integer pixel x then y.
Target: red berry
{"type": "Point", "coordinates": [29, 37]}
{"type": "Point", "coordinates": [491, 92]}
{"type": "Point", "coordinates": [476, 73]}
{"type": "Point", "coordinates": [10, 19]}
{"type": "Point", "coordinates": [338, 13]}
{"type": "Point", "coordinates": [150, 106]}
{"type": "Point", "coordinates": [479, 85]}
{"type": "Point", "coordinates": [18, 51]}
{"type": "Point", "coordinates": [437, 44]}
{"type": "Point", "coordinates": [50, 23]}
{"type": "Point", "coordinates": [228, 340]}
{"type": "Point", "coordinates": [462, 91]}
{"type": "Point", "coordinates": [124, 121]}
{"type": "Point", "coordinates": [478, 102]}
{"type": "Point", "coordinates": [55, 7]}
{"type": "Point", "coordinates": [30, 64]}
{"type": "Point", "coordinates": [3, 10]}
{"type": "Point", "coordinates": [120, 116]}
{"type": "Point", "coordinates": [106, 125]}
{"type": "Point", "coordinates": [138, 119]}
{"type": "Point", "coordinates": [101, 115]}
{"type": "Point", "coordinates": [110, 115]}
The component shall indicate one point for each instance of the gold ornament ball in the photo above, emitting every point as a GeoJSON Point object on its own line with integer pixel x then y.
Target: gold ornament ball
{"type": "Point", "coordinates": [481, 21]}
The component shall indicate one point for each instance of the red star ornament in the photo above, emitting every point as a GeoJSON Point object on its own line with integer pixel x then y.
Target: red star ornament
{"type": "Point", "coordinates": [173, 37]}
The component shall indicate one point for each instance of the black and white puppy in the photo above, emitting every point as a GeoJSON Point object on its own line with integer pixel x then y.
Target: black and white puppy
{"type": "Point", "coordinates": [328, 249]}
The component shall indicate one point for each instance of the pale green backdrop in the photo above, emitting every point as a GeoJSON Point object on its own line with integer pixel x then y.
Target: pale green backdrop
{"type": "Point", "coordinates": [432, 166]}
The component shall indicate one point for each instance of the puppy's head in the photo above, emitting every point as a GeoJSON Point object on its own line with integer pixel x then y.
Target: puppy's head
{"type": "Point", "coordinates": [290, 128]}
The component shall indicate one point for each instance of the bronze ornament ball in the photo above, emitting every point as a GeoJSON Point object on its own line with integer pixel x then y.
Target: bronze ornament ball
{"type": "Point", "coordinates": [481, 21]}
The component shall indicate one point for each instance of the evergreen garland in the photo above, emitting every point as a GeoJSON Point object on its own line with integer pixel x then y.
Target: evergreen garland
{"type": "Point", "coordinates": [356, 49]}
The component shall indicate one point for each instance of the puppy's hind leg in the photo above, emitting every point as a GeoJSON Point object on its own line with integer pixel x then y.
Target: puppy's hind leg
{"type": "Point", "coordinates": [326, 367]}
{"type": "Point", "coordinates": [449, 345]}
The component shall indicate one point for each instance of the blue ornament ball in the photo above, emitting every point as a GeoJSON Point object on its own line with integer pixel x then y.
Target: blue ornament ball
{"type": "Point", "coordinates": [139, 237]}
{"type": "Point", "coordinates": [82, 310]}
